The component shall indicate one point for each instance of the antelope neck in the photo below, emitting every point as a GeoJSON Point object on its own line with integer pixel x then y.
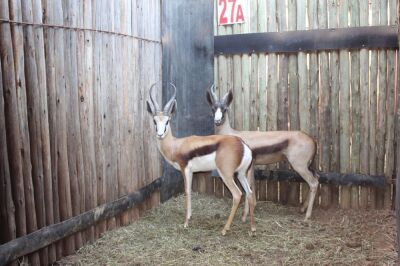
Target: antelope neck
{"type": "Point", "coordinates": [166, 145]}
{"type": "Point", "coordinates": [225, 127]}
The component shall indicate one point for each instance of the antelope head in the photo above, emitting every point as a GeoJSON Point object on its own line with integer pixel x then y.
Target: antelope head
{"type": "Point", "coordinates": [219, 107]}
{"type": "Point", "coordinates": [162, 117]}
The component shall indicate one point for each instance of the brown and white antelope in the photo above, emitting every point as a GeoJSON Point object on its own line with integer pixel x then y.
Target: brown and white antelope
{"type": "Point", "coordinates": [270, 146]}
{"type": "Point", "coordinates": [228, 154]}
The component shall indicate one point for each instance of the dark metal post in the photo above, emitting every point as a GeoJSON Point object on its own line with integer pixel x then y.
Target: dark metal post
{"type": "Point", "coordinates": [188, 58]}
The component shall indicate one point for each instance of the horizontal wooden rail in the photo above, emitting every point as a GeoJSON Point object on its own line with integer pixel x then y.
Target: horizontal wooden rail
{"type": "Point", "coordinates": [371, 37]}
{"type": "Point", "coordinates": [324, 178]}
{"type": "Point", "coordinates": [24, 245]}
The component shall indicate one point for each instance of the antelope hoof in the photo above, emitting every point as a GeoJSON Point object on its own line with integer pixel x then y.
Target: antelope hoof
{"type": "Point", "coordinates": [186, 224]}
{"type": "Point", "coordinates": [223, 232]}
{"type": "Point", "coordinates": [303, 209]}
{"type": "Point", "coordinates": [253, 229]}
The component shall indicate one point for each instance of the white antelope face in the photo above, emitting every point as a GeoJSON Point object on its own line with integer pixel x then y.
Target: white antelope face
{"type": "Point", "coordinates": [161, 122]}
{"type": "Point", "coordinates": [161, 118]}
{"type": "Point", "coordinates": [219, 107]}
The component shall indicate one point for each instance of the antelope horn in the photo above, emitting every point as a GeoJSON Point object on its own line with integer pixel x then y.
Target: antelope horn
{"type": "Point", "coordinates": [212, 90]}
{"type": "Point", "coordinates": [171, 100]}
{"type": "Point", "coordinates": [153, 98]}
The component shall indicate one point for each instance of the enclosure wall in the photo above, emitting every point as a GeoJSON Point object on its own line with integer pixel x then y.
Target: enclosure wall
{"type": "Point", "coordinates": [344, 99]}
{"type": "Point", "coordinates": [74, 132]}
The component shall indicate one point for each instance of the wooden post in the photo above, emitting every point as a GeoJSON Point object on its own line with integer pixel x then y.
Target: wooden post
{"type": "Point", "coordinates": [254, 77]}
{"type": "Point", "coordinates": [324, 110]}
{"type": "Point", "coordinates": [364, 113]}
{"type": "Point", "coordinates": [304, 94]}
{"type": "Point", "coordinates": [272, 93]}
{"type": "Point", "coordinates": [381, 119]}
{"type": "Point", "coordinates": [7, 207]}
{"type": "Point", "coordinates": [294, 189]}
{"type": "Point", "coordinates": [11, 120]}
{"type": "Point", "coordinates": [355, 102]}
{"type": "Point", "coordinates": [52, 115]}
{"type": "Point", "coordinates": [373, 106]}
{"type": "Point", "coordinates": [334, 83]}
{"type": "Point", "coordinates": [282, 95]}
{"type": "Point", "coordinates": [262, 68]}
{"type": "Point", "coordinates": [344, 118]}
{"type": "Point", "coordinates": [62, 148]}
{"type": "Point", "coordinates": [390, 111]}
{"type": "Point", "coordinates": [33, 105]}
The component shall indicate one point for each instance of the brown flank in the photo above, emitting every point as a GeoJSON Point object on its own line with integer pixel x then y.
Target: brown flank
{"type": "Point", "coordinates": [200, 151]}
{"type": "Point", "coordinates": [270, 148]}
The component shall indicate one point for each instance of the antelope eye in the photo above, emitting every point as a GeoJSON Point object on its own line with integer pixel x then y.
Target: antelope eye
{"type": "Point", "coordinates": [154, 121]}
{"type": "Point", "coordinates": [167, 123]}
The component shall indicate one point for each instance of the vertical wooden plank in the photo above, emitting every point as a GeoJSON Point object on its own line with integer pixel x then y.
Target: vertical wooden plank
{"type": "Point", "coordinates": [324, 109]}
{"type": "Point", "coordinates": [11, 121]}
{"type": "Point", "coordinates": [364, 106]}
{"type": "Point", "coordinates": [52, 113]}
{"type": "Point", "coordinates": [124, 158]}
{"type": "Point", "coordinates": [381, 108]}
{"type": "Point", "coordinates": [282, 94]}
{"type": "Point", "coordinates": [373, 83]}
{"type": "Point", "coordinates": [313, 78]}
{"type": "Point", "coordinates": [390, 110]}
{"type": "Point", "coordinates": [294, 188]}
{"type": "Point", "coordinates": [62, 168]}
{"type": "Point", "coordinates": [7, 207]}
{"type": "Point", "coordinates": [98, 109]}
{"type": "Point", "coordinates": [71, 99]}
{"type": "Point", "coordinates": [33, 106]}
{"type": "Point", "coordinates": [304, 93]}
{"type": "Point", "coordinates": [18, 44]}
{"type": "Point", "coordinates": [334, 83]}
{"type": "Point", "coordinates": [262, 68]}
{"type": "Point", "coordinates": [222, 89]}
{"type": "Point", "coordinates": [355, 104]}
{"type": "Point", "coordinates": [344, 118]}
{"type": "Point", "coordinates": [237, 121]}
{"type": "Point", "coordinates": [86, 114]}
{"type": "Point", "coordinates": [272, 93]}
{"type": "Point", "coordinates": [398, 135]}
{"type": "Point", "coordinates": [44, 121]}
{"type": "Point", "coordinates": [254, 78]}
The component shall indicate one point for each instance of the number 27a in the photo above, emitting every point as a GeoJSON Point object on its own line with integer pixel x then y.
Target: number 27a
{"type": "Point", "coordinates": [236, 15]}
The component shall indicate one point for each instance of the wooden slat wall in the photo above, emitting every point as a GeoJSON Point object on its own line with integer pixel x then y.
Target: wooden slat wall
{"type": "Point", "coordinates": [74, 130]}
{"type": "Point", "coordinates": [343, 99]}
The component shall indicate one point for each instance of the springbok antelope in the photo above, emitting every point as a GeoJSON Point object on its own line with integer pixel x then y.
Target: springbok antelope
{"type": "Point", "coordinates": [227, 154]}
{"type": "Point", "coordinates": [270, 147]}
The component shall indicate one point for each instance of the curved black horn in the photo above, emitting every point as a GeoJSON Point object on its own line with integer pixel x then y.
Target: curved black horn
{"type": "Point", "coordinates": [171, 100]}
{"type": "Point", "coordinates": [153, 98]}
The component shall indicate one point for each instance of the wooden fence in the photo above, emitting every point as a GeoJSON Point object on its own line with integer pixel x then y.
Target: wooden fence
{"type": "Point", "coordinates": [344, 99]}
{"type": "Point", "coordinates": [73, 129]}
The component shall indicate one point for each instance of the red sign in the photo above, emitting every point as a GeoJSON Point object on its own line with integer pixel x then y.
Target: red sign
{"type": "Point", "coordinates": [231, 11]}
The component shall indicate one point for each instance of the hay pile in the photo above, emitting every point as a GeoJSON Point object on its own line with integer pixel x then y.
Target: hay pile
{"type": "Point", "coordinates": [333, 237]}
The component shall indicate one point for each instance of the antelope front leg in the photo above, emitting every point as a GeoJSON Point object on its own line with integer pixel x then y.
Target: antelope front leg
{"type": "Point", "coordinates": [187, 177]}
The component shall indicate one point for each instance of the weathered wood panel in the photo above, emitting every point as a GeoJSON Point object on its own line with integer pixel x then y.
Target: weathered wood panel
{"type": "Point", "coordinates": [76, 134]}
{"type": "Point", "coordinates": [345, 97]}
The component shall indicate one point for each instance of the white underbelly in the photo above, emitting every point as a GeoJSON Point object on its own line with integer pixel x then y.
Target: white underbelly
{"type": "Point", "coordinates": [202, 163]}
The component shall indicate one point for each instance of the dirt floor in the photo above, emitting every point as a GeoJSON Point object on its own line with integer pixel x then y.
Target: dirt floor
{"type": "Point", "coordinates": [332, 237]}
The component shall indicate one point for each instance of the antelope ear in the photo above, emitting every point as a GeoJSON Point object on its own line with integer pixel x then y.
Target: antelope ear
{"type": "Point", "coordinates": [173, 108]}
{"type": "Point", "coordinates": [150, 107]}
{"type": "Point", "coordinates": [228, 98]}
{"type": "Point", "coordinates": [209, 97]}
